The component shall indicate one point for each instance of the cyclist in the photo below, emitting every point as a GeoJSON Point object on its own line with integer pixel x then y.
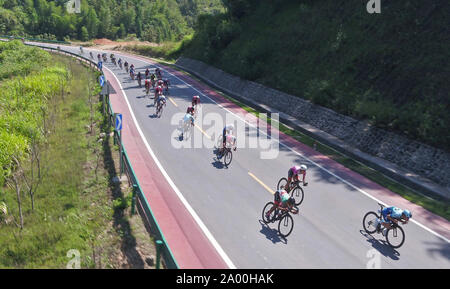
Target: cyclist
{"type": "Point", "coordinates": [92, 55]}
{"type": "Point", "coordinates": [187, 119]}
{"type": "Point", "coordinates": [166, 84]}
{"type": "Point", "coordinates": [230, 143]}
{"type": "Point", "coordinates": [132, 72]}
{"type": "Point", "coordinates": [99, 57]}
{"type": "Point", "coordinates": [147, 86]}
{"type": "Point", "coordinates": [195, 100]}
{"type": "Point", "coordinates": [147, 73]}
{"type": "Point", "coordinates": [158, 91]}
{"type": "Point", "coordinates": [139, 78]}
{"type": "Point", "coordinates": [227, 130]}
{"type": "Point", "coordinates": [126, 66]}
{"type": "Point", "coordinates": [120, 63]}
{"type": "Point", "coordinates": [293, 173]}
{"type": "Point", "coordinates": [152, 77]}
{"type": "Point", "coordinates": [392, 215]}
{"type": "Point", "coordinates": [160, 82]}
{"type": "Point", "coordinates": [282, 201]}
{"type": "Point", "coordinates": [160, 102]}
{"type": "Point", "coordinates": [190, 110]}
{"type": "Point", "coordinates": [81, 50]}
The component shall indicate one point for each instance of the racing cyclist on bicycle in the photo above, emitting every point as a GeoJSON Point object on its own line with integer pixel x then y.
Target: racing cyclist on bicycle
{"type": "Point", "coordinates": [195, 100]}
{"type": "Point", "coordinates": [188, 119]}
{"type": "Point", "coordinates": [166, 84]}
{"type": "Point", "coordinates": [147, 86]}
{"type": "Point", "coordinates": [230, 143]}
{"type": "Point", "coordinates": [283, 201]}
{"type": "Point", "coordinates": [391, 215]}
{"type": "Point", "coordinates": [160, 102]}
{"type": "Point", "coordinates": [158, 91]}
{"type": "Point", "coordinates": [293, 174]}
{"type": "Point", "coordinates": [139, 78]}
{"type": "Point", "coordinates": [227, 130]}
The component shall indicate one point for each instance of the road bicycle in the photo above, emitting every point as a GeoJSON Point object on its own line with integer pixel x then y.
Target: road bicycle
{"type": "Point", "coordinates": [294, 188]}
{"type": "Point", "coordinates": [159, 108]}
{"type": "Point", "coordinates": [284, 218]}
{"type": "Point", "coordinates": [227, 155]}
{"type": "Point", "coordinates": [395, 236]}
{"type": "Point", "coordinates": [186, 130]}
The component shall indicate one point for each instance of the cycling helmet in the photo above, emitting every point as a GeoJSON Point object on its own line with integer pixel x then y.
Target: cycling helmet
{"type": "Point", "coordinates": [407, 213]}
{"type": "Point", "coordinates": [303, 167]}
{"type": "Point", "coordinates": [195, 96]}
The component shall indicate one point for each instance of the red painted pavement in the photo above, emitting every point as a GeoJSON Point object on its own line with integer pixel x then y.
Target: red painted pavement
{"type": "Point", "coordinates": [188, 243]}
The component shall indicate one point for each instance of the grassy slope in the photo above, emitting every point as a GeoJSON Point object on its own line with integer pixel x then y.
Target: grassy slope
{"type": "Point", "coordinates": [76, 208]}
{"type": "Point", "coordinates": [389, 68]}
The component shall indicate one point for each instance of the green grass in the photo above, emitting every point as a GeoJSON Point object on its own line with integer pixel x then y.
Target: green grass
{"type": "Point", "coordinates": [74, 205]}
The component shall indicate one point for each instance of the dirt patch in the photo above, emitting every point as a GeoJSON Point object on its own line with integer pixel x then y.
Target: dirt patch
{"type": "Point", "coordinates": [107, 44]}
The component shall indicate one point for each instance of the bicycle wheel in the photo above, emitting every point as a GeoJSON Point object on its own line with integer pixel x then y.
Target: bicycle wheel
{"type": "Point", "coordinates": [395, 237]}
{"type": "Point", "coordinates": [369, 222]}
{"type": "Point", "coordinates": [228, 157]}
{"type": "Point", "coordinates": [285, 225]}
{"type": "Point", "coordinates": [281, 183]}
{"type": "Point", "coordinates": [267, 207]}
{"type": "Point", "coordinates": [297, 194]}
{"type": "Point", "coordinates": [159, 111]}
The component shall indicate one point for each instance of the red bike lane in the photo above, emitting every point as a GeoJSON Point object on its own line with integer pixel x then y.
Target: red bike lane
{"type": "Point", "coordinates": [189, 245]}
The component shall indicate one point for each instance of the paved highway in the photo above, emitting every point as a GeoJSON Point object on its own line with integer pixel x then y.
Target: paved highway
{"type": "Point", "coordinates": [328, 231]}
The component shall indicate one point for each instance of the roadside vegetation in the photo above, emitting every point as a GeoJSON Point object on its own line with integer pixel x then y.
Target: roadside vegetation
{"type": "Point", "coordinates": [155, 21]}
{"type": "Point", "coordinates": [391, 69]}
{"type": "Point", "coordinates": [58, 191]}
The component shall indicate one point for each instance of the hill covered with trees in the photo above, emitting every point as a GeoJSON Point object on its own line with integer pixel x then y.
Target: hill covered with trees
{"type": "Point", "coordinates": [151, 20]}
{"type": "Point", "coordinates": [391, 69]}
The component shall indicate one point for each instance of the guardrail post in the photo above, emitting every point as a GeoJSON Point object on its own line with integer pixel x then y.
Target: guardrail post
{"type": "Point", "coordinates": [133, 200]}
{"type": "Point", "coordinates": [159, 245]}
{"type": "Point", "coordinates": [121, 153]}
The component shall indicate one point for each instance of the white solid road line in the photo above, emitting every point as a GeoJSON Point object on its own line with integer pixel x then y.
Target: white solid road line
{"type": "Point", "coordinates": [197, 219]}
{"type": "Point", "coordinates": [299, 154]}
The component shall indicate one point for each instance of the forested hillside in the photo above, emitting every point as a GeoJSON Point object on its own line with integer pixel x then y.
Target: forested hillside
{"type": "Point", "coordinates": [151, 20]}
{"type": "Point", "coordinates": [390, 68]}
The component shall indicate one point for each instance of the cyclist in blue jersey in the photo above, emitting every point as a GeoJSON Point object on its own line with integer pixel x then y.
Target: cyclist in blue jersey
{"type": "Point", "coordinates": [392, 215]}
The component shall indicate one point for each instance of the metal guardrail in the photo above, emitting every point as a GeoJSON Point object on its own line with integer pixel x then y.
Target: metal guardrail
{"type": "Point", "coordinates": [139, 199]}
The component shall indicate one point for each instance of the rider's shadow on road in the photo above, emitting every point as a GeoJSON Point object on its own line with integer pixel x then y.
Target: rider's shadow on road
{"type": "Point", "coordinates": [381, 246]}
{"type": "Point", "coordinates": [217, 163]}
{"type": "Point", "coordinates": [271, 234]}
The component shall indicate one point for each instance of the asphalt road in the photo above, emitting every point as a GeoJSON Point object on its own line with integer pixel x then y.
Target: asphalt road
{"type": "Point", "coordinates": [327, 232]}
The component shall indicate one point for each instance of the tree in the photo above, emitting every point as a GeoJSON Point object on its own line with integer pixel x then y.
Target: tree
{"type": "Point", "coordinates": [84, 34]}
